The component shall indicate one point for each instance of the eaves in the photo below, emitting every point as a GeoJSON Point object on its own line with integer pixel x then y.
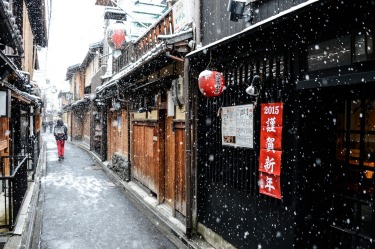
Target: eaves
{"type": "Point", "coordinates": [132, 67]}
{"type": "Point", "coordinates": [23, 96]}
{"type": "Point", "coordinates": [9, 35]}
{"type": "Point", "coordinates": [8, 67]}
{"type": "Point", "coordinates": [71, 70]}
{"type": "Point", "coordinates": [254, 28]}
{"type": "Point", "coordinates": [37, 16]}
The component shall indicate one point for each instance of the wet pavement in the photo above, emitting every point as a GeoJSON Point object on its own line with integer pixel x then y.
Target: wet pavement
{"type": "Point", "coordinates": [81, 208]}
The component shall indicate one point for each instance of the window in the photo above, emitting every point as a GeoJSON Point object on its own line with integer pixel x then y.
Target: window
{"type": "Point", "coordinates": [328, 54]}
{"type": "Point", "coordinates": [340, 51]}
{"type": "Point", "coordinates": [354, 184]}
{"type": "Point", "coordinates": [363, 47]}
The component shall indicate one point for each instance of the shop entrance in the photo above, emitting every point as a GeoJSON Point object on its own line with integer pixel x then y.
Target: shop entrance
{"type": "Point", "coordinates": [336, 173]}
{"type": "Point", "coordinates": [353, 219]}
{"type": "Point", "coordinates": [316, 132]}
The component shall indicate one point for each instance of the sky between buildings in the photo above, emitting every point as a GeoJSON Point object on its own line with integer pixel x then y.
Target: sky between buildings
{"type": "Point", "coordinates": [74, 25]}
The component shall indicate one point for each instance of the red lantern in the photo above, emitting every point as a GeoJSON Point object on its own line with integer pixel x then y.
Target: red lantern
{"type": "Point", "coordinates": [211, 83]}
{"type": "Point", "coordinates": [116, 35]}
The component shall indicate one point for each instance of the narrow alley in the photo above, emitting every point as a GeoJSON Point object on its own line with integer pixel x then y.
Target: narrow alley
{"type": "Point", "coordinates": [81, 207]}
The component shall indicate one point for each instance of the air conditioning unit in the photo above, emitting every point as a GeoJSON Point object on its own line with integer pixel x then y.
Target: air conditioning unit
{"type": "Point", "coordinates": [178, 91]}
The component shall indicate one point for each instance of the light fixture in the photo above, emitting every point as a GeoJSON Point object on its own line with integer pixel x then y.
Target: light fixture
{"type": "Point", "coordinates": [211, 83]}
{"type": "Point", "coordinates": [117, 36]}
{"type": "Point", "coordinates": [237, 10]}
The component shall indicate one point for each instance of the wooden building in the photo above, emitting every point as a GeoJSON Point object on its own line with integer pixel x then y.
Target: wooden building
{"type": "Point", "coordinates": [82, 111]}
{"type": "Point", "coordinates": [146, 112]}
{"type": "Point", "coordinates": [304, 177]}
{"type": "Point", "coordinates": [22, 30]}
{"type": "Point", "coordinates": [74, 118]}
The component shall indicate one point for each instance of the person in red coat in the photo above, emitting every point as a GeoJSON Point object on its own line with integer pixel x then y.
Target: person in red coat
{"type": "Point", "coordinates": [61, 134]}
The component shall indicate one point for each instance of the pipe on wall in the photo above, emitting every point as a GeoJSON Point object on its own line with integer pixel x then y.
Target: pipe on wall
{"type": "Point", "coordinates": [197, 22]}
{"type": "Point", "coordinates": [189, 184]}
{"type": "Point", "coordinates": [129, 144]}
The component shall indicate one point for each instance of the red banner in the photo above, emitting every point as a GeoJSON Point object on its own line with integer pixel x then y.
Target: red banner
{"type": "Point", "coordinates": [270, 162]}
{"type": "Point", "coordinates": [271, 140]}
{"type": "Point", "coordinates": [270, 185]}
{"type": "Point", "coordinates": [270, 149]}
{"type": "Point", "coordinates": [272, 114]}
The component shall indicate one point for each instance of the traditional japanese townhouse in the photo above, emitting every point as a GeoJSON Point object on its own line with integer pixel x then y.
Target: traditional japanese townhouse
{"type": "Point", "coordinates": [64, 104]}
{"type": "Point", "coordinates": [90, 69]}
{"type": "Point", "coordinates": [75, 114]}
{"type": "Point", "coordinates": [146, 110]}
{"type": "Point", "coordinates": [284, 157]}
{"type": "Point", "coordinates": [99, 68]}
{"type": "Point", "coordinates": [22, 29]}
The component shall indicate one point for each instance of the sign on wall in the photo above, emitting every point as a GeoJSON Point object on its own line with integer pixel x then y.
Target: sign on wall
{"type": "Point", "coordinates": [237, 126]}
{"type": "Point", "coordinates": [270, 149]}
{"type": "Point", "coordinates": [181, 14]}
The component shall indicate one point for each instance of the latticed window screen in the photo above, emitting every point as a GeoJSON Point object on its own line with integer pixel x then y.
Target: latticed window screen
{"type": "Point", "coordinates": [232, 167]}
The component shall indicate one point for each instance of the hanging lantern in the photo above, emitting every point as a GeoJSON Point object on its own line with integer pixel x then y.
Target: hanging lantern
{"type": "Point", "coordinates": [117, 36]}
{"type": "Point", "coordinates": [211, 83]}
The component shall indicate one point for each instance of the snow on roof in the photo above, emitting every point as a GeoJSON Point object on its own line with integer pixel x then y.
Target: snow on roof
{"type": "Point", "coordinates": [252, 27]}
{"type": "Point", "coordinates": [85, 99]}
{"type": "Point", "coordinates": [36, 99]}
{"type": "Point", "coordinates": [132, 66]}
{"type": "Point", "coordinates": [165, 37]}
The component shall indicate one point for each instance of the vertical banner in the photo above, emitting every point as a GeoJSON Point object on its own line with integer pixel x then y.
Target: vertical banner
{"type": "Point", "coordinates": [270, 185]}
{"type": "Point", "coordinates": [270, 149]}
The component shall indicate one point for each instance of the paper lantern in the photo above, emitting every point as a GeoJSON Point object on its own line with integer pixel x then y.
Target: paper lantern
{"type": "Point", "coordinates": [211, 83]}
{"type": "Point", "coordinates": [117, 36]}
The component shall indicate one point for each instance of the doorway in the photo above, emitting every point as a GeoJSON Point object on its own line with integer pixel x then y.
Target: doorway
{"type": "Point", "coordinates": [353, 205]}
{"type": "Point", "coordinates": [336, 167]}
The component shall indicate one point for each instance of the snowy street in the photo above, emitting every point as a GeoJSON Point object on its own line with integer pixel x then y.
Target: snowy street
{"type": "Point", "coordinates": [82, 208]}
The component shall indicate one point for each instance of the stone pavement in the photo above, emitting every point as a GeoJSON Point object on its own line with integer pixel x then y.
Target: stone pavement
{"type": "Point", "coordinates": [83, 208]}
{"type": "Point", "coordinates": [80, 203]}
{"type": "Point", "coordinates": [148, 204]}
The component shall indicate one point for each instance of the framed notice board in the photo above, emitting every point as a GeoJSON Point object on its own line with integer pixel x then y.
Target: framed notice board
{"type": "Point", "coordinates": [237, 126]}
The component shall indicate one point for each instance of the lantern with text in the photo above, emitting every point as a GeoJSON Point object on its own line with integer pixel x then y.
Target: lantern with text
{"type": "Point", "coordinates": [117, 35]}
{"type": "Point", "coordinates": [211, 83]}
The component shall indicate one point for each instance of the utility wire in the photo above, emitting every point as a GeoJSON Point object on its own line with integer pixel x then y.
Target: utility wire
{"type": "Point", "coordinates": [129, 14]}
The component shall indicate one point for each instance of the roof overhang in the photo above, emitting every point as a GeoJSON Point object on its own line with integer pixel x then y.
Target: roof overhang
{"type": "Point", "coordinates": [156, 58]}
{"type": "Point", "coordinates": [157, 83]}
{"type": "Point", "coordinates": [284, 15]}
{"type": "Point", "coordinates": [105, 2]}
{"type": "Point", "coordinates": [72, 70]}
{"type": "Point", "coordinates": [23, 96]}
{"type": "Point", "coordinates": [145, 60]}
{"type": "Point", "coordinates": [114, 13]}
{"type": "Point", "coordinates": [7, 67]}
{"type": "Point", "coordinates": [81, 102]}
{"type": "Point", "coordinates": [91, 53]}
{"type": "Point", "coordinates": [8, 34]}
{"type": "Point", "coordinates": [37, 15]}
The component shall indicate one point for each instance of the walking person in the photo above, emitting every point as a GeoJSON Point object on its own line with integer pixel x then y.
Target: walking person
{"type": "Point", "coordinates": [50, 123]}
{"type": "Point", "coordinates": [61, 134]}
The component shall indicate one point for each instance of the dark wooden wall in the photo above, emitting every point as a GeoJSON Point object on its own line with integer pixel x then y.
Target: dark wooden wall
{"type": "Point", "coordinates": [215, 17]}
